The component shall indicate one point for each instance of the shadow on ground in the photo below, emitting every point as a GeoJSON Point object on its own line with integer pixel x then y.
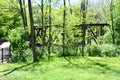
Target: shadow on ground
{"type": "Point", "coordinates": [107, 67]}
{"type": "Point", "coordinates": [90, 64]}
{"type": "Point", "coordinates": [9, 71]}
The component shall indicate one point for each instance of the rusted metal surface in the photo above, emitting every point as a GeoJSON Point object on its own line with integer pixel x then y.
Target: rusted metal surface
{"type": "Point", "coordinates": [95, 25]}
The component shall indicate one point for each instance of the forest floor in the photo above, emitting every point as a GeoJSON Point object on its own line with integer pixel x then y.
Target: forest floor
{"type": "Point", "coordinates": [87, 68]}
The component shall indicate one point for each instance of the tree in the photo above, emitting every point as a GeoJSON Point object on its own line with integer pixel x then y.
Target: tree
{"type": "Point", "coordinates": [70, 6]}
{"type": "Point", "coordinates": [117, 22]}
{"type": "Point", "coordinates": [49, 46]}
{"type": "Point", "coordinates": [64, 21]}
{"type": "Point", "coordinates": [112, 22]}
{"type": "Point", "coordinates": [32, 32]}
{"type": "Point", "coordinates": [25, 15]}
{"type": "Point", "coordinates": [9, 14]}
{"type": "Point", "coordinates": [23, 12]}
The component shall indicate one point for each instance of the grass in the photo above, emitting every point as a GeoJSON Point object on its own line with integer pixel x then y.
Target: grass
{"type": "Point", "coordinates": [88, 68]}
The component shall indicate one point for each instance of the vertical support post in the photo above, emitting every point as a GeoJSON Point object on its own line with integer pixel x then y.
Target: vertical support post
{"type": "Point", "coordinates": [101, 30]}
{"type": "Point", "coordinates": [10, 53]}
{"type": "Point", "coordinates": [96, 32]}
{"type": "Point", "coordinates": [83, 36]}
{"type": "Point", "coordinates": [2, 55]}
{"type": "Point", "coordinates": [83, 9]}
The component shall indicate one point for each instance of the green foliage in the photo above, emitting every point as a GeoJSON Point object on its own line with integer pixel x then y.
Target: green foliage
{"type": "Point", "coordinates": [110, 50]}
{"type": "Point", "coordinates": [117, 30]}
{"type": "Point", "coordinates": [9, 14]}
{"type": "Point", "coordinates": [106, 38]}
{"type": "Point", "coordinates": [93, 50]}
{"type": "Point", "coordinates": [3, 31]}
{"type": "Point", "coordinates": [117, 21]}
{"type": "Point", "coordinates": [101, 50]}
{"type": "Point", "coordinates": [17, 37]}
{"type": "Point", "coordinates": [57, 49]}
{"type": "Point", "coordinates": [71, 51]}
{"type": "Point", "coordinates": [42, 53]}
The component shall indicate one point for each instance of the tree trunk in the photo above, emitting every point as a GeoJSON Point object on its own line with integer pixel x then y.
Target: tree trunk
{"type": "Point", "coordinates": [49, 46]}
{"type": "Point", "coordinates": [64, 21]}
{"type": "Point", "coordinates": [70, 7]}
{"type": "Point", "coordinates": [112, 22]}
{"type": "Point", "coordinates": [25, 16]}
{"type": "Point", "coordinates": [43, 27]}
{"type": "Point", "coordinates": [32, 31]}
{"type": "Point", "coordinates": [22, 12]}
{"type": "Point", "coordinates": [42, 32]}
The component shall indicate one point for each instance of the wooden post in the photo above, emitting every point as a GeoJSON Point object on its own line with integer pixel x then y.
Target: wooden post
{"type": "Point", "coordinates": [83, 9]}
{"type": "Point", "coordinates": [83, 38]}
{"type": "Point", "coordinates": [10, 53]}
{"type": "Point", "coordinates": [97, 32]}
{"type": "Point", "coordinates": [101, 30]}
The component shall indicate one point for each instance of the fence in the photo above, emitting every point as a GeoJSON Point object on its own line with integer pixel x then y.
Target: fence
{"type": "Point", "coordinates": [5, 52]}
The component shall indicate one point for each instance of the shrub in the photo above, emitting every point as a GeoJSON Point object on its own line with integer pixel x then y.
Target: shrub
{"type": "Point", "coordinates": [3, 31]}
{"type": "Point", "coordinates": [17, 37]}
{"type": "Point", "coordinates": [93, 50]}
{"type": "Point", "coordinates": [106, 38]}
{"type": "Point", "coordinates": [58, 50]}
{"type": "Point", "coordinates": [108, 50]}
{"type": "Point", "coordinates": [42, 52]}
{"type": "Point", "coordinates": [69, 51]}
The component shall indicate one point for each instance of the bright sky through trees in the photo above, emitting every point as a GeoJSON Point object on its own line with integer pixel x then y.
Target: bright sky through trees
{"type": "Point", "coordinates": [72, 2]}
{"type": "Point", "coordinates": [79, 1]}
